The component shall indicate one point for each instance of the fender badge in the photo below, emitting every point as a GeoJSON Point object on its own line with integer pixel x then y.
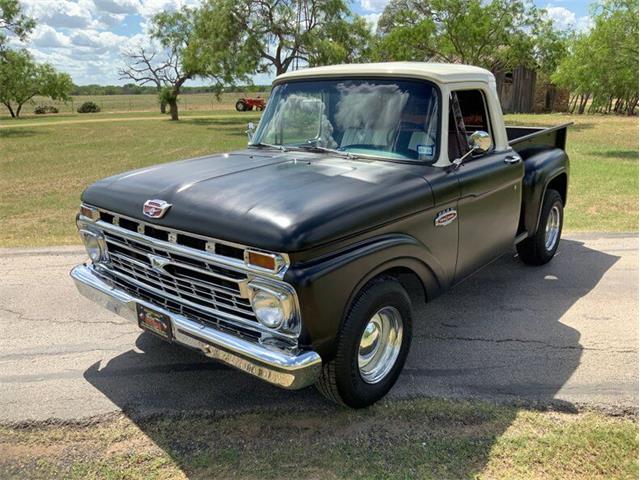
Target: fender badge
{"type": "Point", "coordinates": [155, 208]}
{"type": "Point", "coordinates": [445, 217]}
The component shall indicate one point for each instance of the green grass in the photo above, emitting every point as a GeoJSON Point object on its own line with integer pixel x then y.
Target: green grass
{"type": "Point", "coordinates": [44, 169]}
{"type": "Point", "coordinates": [46, 162]}
{"type": "Point", "coordinates": [424, 438]}
{"type": "Point", "coordinates": [603, 184]}
{"type": "Point", "coordinates": [138, 103]}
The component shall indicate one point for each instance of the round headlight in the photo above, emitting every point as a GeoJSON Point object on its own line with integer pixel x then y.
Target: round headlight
{"type": "Point", "coordinates": [93, 245]}
{"type": "Point", "coordinates": [268, 308]}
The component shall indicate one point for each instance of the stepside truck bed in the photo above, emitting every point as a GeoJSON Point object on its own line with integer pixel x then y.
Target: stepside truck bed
{"type": "Point", "coordinates": [523, 139]}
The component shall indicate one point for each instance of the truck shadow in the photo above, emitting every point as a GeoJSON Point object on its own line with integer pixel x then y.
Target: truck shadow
{"type": "Point", "coordinates": [497, 337]}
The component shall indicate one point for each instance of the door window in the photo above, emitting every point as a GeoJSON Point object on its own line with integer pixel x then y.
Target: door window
{"type": "Point", "coordinates": [467, 114]}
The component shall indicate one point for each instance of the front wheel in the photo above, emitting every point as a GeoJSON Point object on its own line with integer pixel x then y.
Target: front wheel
{"type": "Point", "coordinates": [372, 346]}
{"type": "Point", "coordinates": [541, 247]}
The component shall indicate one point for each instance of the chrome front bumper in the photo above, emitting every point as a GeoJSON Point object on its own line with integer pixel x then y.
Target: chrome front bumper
{"type": "Point", "coordinates": [286, 370]}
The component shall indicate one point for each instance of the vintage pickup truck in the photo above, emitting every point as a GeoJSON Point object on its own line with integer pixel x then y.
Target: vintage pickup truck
{"type": "Point", "coordinates": [364, 189]}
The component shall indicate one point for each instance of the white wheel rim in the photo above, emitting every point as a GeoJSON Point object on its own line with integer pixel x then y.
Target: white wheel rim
{"type": "Point", "coordinates": [552, 229]}
{"type": "Point", "coordinates": [380, 345]}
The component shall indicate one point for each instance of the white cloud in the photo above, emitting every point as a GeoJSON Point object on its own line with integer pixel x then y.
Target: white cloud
{"type": "Point", "coordinates": [117, 6]}
{"type": "Point", "coordinates": [61, 13]}
{"type": "Point", "coordinates": [584, 24]}
{"type": "Point", "coordinates": [373, 5]}
{"type": "Point", "coordinates": [565, 19]}
{"type": "Point", "coordinates": [98, 40]}
{"type": "Point", "coordinates": [149, 8]}
{"type": "Point", "coordinates": [372, 20]}
{"type": "Point", "coordinates": [47, 37]}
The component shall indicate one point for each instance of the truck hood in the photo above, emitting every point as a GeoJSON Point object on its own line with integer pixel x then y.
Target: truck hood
{"type": "Point", "coordinates": [280, 201]}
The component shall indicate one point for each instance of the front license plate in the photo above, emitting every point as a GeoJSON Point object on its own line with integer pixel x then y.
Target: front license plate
{"type": "Point", "coordinates": [155, 322]}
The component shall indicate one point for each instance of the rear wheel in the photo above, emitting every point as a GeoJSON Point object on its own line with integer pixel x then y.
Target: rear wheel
{"type": "Point", "coordinates": [241, 106]}
{"type": "Point", "coordinates": [372, 346]}
{"type": "Point", "coordinates": [541, 247]}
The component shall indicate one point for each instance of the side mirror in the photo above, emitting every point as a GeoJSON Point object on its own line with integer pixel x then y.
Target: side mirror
{"type": "Point", "coordinates": [251, 129]}
{"type": "Point", "coordinates": [480, 143]}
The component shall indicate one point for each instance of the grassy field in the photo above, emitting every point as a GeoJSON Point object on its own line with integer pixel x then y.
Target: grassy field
{"type": "Point", "coordinates": [402, 440]}
{"type": "Point", "coordinates": [138, 103]}
{"type": "Point", "coordinates": [46, 162]}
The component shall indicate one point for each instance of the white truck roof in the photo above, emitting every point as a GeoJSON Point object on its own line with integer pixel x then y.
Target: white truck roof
{"type": "Point", "coordinates": [437, 72]}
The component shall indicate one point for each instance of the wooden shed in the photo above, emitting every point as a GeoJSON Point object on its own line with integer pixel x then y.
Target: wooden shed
{"type": "Point", "coordinates": [521, 92]}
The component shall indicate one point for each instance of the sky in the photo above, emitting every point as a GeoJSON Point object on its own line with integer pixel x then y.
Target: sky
{"type": "Point", "coordinates": [86, 38]}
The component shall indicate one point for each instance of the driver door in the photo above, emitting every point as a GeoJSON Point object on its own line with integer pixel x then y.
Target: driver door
{"type": "Point", "coordinates": [490, 196]}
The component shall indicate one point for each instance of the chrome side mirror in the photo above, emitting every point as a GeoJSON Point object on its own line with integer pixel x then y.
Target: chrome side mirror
{"type": "Point", "coordinates": [251, 129]}
{"type": "Point", "coordinates": [480, 143]}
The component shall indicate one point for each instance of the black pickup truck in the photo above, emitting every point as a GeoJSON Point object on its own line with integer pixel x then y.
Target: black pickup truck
{"type": "Point", "coordinates": [298, 259]}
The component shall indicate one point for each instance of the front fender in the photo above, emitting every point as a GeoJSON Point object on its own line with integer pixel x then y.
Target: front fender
{"type": "Point", "coordinates": [327, 285]}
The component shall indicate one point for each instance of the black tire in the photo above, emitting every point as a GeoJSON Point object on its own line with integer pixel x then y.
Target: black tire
{"type": "Point", "coordinates": [533, 250]}
{"type": "Point", "coordinates": [241, 106]}
{"type": "Point", "coordinates": [341, 381]}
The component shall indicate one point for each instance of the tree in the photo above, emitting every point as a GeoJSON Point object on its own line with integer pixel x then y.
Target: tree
{"type": "Point", "coordinates": [278, 34]}
{"type": "Point", "coordinates": [21, 79]}
{"type": "Point", "coordinates": [174, 31]}
{"type": "Point", "coordinates": [187, 57]}
{"type": "Point", "coordinates": [13, 21]}
{"type": "Point", "coordinates": [492, 34]}
{"type": "Point", "coordinates": [143, 67]}
{"type": "Point", "coordinates": [601, 69]}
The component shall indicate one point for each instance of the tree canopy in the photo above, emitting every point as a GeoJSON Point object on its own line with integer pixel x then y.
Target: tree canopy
{"type": "Point", "coordinates": [183, 55]}
{"type": "Point", "coordinates": [602, 65]}
{"type": "Point", "coordinates": [13, 21]}
{"type": "Point", "coordinates": [491, 34]}
{"type": "Point", "coordinates": [21, 79]}
{"type": "Point", "coordinates": [278, 34]}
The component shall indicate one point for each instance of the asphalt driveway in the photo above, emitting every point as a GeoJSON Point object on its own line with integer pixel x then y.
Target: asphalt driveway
{"type": "Point", "coordinates": [565, 334]}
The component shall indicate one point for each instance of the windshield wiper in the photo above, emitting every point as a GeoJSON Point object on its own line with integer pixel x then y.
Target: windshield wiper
{"type": "Point", "coordinates": [328, 150]}
{"type": "Point", "coordinates": [282, 148]}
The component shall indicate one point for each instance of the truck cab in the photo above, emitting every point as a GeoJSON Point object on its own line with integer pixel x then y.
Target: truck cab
{"type": "Point", "coordinates": [294, 259]}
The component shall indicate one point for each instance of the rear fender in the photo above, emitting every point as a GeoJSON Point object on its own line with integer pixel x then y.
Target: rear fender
{"type": "Point", "coordinates": [541, 169]}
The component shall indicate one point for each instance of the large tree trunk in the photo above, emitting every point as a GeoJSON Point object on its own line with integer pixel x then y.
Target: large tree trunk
{"type": "Point", "coordinates": [583, 103]}
{"type": "Point", "coordinates": [173, 108]}
{"type": "Point", "coordinates": [574, 103]}
{"type": "Point", "coordinates": [18, 110]}
{"type": "Point", "coordinates": [8, 105]}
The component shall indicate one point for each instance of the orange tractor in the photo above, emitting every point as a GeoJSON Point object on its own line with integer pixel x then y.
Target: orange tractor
{"type": "Point", "coordinates": [246, 103]}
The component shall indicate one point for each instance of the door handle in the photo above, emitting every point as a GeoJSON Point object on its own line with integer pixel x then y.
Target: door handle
{"type": "Point", "coordinates": [512, 159]}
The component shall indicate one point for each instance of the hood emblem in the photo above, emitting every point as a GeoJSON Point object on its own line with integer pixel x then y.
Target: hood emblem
{"type": "Point", "coordinates": [155, 208]}
{"type": "Point", "coordinates": [445, 217]}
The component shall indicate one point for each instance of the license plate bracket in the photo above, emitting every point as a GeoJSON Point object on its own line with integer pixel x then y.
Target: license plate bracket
{"type": "Point", "coordinates": [154, 322]}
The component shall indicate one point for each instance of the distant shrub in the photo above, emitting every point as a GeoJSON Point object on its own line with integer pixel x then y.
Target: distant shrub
{"type": "Point", "coordinates": [44, 109]}
{"type": "Point", "coordinates": [89, 107]}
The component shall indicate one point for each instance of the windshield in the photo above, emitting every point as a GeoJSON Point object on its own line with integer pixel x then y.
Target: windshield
{"type": "Point", "coordinates": [396, 119]}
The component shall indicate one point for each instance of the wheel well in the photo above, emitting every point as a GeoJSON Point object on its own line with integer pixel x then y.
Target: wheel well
{"type": "Point", "coordinates": [559, 184]}
{"type": "Point", "coordinates": [409, 280]}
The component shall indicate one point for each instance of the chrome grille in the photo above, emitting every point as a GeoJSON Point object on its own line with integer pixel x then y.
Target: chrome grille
{"type": "Point", "coordinates": [201, 290]}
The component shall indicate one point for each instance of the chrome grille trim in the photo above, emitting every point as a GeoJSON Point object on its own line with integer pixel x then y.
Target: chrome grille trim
{"type": "Point", "coordinates": [112, 240]}
{"type": "Point", "coordinates": [196, 284]}
{"type": "Point", "coordinates": [210, 256]}
{"type": "Point", "coordinates": [252, 325]}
